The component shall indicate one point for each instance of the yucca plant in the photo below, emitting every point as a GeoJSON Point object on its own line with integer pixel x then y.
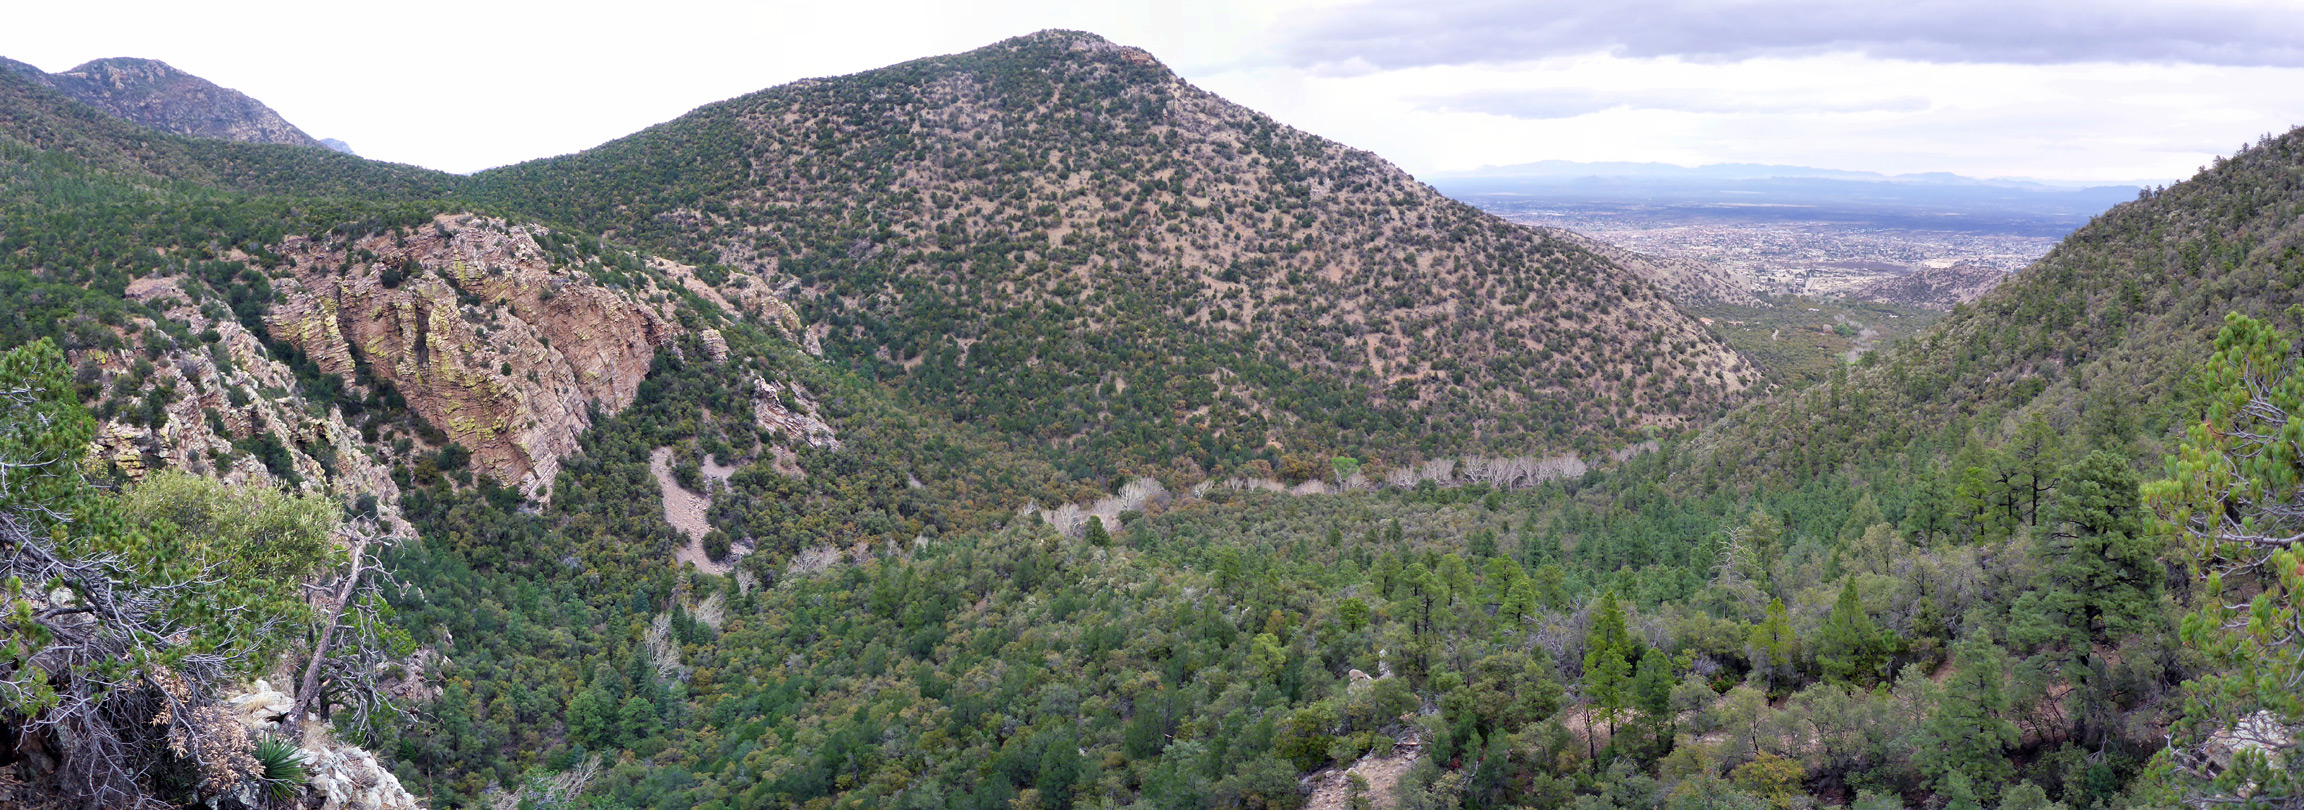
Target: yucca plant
{"type": "Point", "coordinates": [285, 770]}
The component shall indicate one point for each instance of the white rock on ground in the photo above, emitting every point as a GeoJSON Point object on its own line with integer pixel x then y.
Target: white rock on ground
{"type": "Point", "coordinates": [261, 707]}
{"type": "Point", "coordinates": [348, 778]}
{"type": "Point", "coordinates": [344, 777]}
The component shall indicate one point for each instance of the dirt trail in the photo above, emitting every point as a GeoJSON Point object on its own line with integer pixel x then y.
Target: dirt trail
{"type": "Point", "coordinates": [1865, 341]}
{"type": "Point", "coordinates": [1331, 789]}
{"type": "Point", "coordinates": [685, 511]}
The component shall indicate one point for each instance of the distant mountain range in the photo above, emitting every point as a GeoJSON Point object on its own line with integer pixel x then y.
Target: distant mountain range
{"type": "Point", "coordinates": [1936, 201]}
{"type": "Point", "coordinates": [1578, 171]}
{"type": "Point", "coordinates": [157, 95]}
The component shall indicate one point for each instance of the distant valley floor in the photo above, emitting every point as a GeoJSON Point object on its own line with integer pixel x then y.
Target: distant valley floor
{"type": "Point", "coordinates": [1917, 259]}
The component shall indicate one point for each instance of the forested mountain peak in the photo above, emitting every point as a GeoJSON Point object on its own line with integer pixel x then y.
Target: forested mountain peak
{"type": "Point", "coordinates": [1057, 236]}
{"type": "Point", "coordinates": [155, 94]}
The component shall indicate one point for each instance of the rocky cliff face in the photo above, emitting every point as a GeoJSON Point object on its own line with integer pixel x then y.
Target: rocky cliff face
{"type": "Point", "coordinates": [152, 93]}
{"type": "Point", "coordinates": [485, 337]}
{"type": "Point", "coordinates": [219, 398]}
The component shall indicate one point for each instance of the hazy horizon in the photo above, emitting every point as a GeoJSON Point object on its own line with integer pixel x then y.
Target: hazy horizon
{"type": "Point", "coordinates": [2053, 91]}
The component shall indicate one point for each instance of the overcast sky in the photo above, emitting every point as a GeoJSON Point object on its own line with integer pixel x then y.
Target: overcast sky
{"type": "Point", "coordinates": [2098, 90]}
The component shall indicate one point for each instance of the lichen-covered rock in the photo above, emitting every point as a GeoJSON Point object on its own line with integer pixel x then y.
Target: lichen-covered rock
{"type": "Point", "coordinates": [485, 337]}
{"type": "Point", "coordinates": [225, 391]}
{"type": "Point", "coordinates": [342, 777]}
{"type": "Point", "coordinates": [786, 408]}
{"type": "Point", "coordinates": [715, 346]}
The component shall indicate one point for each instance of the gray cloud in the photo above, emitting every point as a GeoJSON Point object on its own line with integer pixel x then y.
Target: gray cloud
{"type": "Point", "coordinates": [1552, 103]}
{"type": "Point", "coordinates": [1388, 34]}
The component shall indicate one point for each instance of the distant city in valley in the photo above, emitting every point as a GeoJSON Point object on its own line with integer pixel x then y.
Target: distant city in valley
{"type": "Point", "coordinates": [1926, 240]}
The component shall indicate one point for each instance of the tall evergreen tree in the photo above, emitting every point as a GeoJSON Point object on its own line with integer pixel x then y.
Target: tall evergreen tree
{"type": "Point", "coordinates": [1967, 735]}
{"type": "Point", "coordinates": [1608, 630]}
{"type": "Point", "coordinates": [1608, 686]}
{"type": "Point", "coordinates": [2101, 550]}
{"type": "Point", "coordinates": [1850, 648]}
{"type": "Point", "coordinates": [1652, 695]}
{"type": "Point", "coordinates": [1775, 649]}
{"type": "Point", "coordinates": [1607, 671]}
{"type": "Point", "coordinates": [2032, 459]}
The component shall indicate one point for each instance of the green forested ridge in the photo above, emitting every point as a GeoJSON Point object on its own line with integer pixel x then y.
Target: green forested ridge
{"type": "Point", "coordinates": [1926, 580]}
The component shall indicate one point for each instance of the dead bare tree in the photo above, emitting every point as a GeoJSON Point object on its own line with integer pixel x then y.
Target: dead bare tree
{"type": "Point", "coordinates": [349, 658]}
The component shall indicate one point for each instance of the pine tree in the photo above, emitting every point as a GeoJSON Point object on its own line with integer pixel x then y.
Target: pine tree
{"type": "Point", "coordinates": [2032, 465]}
{"type": "Point", "coordinates": [1775, 649]}
{"type": "Point", "coordinates": [1608, 630]}
{"type": "Point", "coordinates": [2232, 496]}
{"type": "Point", "coordinates": [1958, 792]}
{"type": "Point", "coordinates": [1096, 534]}
{"type": "Point", "coordinates": [639, 720]}
{"type": "Point", "coordinates": [1520, 603]}
{"type": "Point", "coordinates": [1929, 512]}
{"type": "Point", "coordinates": [1607, 684]}
{"type": "Point", "coordinates": [1550, 583]}
{"type": "Point", "coordinates": [1652, 695]}
{"type": "Point", "coordinates": [2101, 551]}
{"type": "Point", "coordinates": [1499, 576]}
{"type": "Point", "coordinates": [1850, 647]}
{"type": "Point", "coordinates": [1607, 672]}
{"type": "Point", "coordinates": [1967, 734]}
{"type": "Point", "coordinates": [589, 719]}
{"type": "Point", "coordinates": [1058, 771]}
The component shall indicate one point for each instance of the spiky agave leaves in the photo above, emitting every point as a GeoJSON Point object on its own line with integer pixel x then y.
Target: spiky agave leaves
{"type": "Point", "coordinates": [284, 770]}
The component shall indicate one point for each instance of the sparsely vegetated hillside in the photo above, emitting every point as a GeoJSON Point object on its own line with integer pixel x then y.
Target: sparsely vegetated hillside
{"type": "Point", "coordinates": [1056, 236]}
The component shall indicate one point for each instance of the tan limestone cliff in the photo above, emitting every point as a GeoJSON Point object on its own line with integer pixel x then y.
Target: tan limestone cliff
{"type": "Point", "coordinates": [485, 337]}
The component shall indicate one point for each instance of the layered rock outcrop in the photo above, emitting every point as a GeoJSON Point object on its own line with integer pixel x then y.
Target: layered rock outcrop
{"type": "Point", "coordinates": [228, 391]}
{"type": "Point", "coordinates": [486, 337]}
{"type": "Point", "coordinates": [787, 409]}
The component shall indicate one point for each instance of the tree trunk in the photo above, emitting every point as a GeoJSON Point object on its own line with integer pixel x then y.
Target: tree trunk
{"type": "Point", "coordinates": [308, 692]}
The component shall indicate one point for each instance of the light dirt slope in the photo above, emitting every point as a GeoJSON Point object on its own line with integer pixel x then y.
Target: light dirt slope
{"type": "Point", "coordinates": [686, 511]}
{"type": "Point", "coordinates": [1332, 789]}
